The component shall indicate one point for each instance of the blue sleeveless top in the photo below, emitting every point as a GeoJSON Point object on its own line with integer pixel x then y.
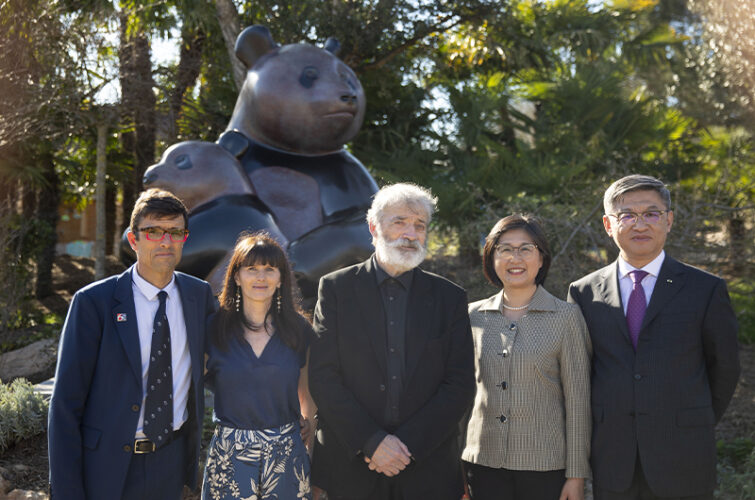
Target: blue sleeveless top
{"type": "Point", "coordinates": [256, 392]}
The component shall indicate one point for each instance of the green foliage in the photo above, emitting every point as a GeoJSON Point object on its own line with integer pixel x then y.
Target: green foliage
{"type": "Point", "coordinates": [742, 292]}
{"type": "Point", "coordinates": [735, 452]}
{"type": "Point", "coordinates": [736, 469]}
{"type": "Point", "coordinates": [19, 246]}
{"type": "Point", "coordinates": [22, 412]}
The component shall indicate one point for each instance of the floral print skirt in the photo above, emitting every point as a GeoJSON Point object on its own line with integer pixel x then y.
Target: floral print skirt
{"type": "Point", "coordinates": [257, 464]}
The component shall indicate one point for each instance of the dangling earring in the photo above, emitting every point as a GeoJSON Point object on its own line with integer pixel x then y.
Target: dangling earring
{"type": "Point", "coordinates": [278, 300]}
{"type": "Point", "coordinates": [238, 300]}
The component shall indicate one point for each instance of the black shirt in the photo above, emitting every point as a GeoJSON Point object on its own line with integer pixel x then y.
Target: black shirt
{"type": "Point", "coordinates": [395, 293]}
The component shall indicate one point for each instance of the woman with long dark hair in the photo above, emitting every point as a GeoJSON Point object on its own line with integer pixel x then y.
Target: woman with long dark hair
{"type": "Point", "coordinates": [256, 357]}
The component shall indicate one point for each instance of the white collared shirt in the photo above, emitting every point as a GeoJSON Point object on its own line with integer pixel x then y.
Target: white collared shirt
{"type": "Point", "coordinates": [146, 304]}
{"type": "Point", "coordinates": [648, 282]}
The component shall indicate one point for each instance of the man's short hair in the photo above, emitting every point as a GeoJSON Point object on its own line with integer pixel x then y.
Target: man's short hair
{"type": "Point", "coordinates": [159, 204]}
{"type": "Point", "coordinates": [616, 191]}
{"type": "Point", "coordinates": [403, 193]}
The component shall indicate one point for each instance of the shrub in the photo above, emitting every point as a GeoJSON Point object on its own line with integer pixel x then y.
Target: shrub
{"type": "Point", "coordinates": [742, 293]}
{"type": "Point", "coordinates": [736, 470]}
{"type": "Point", "coordinates": [22, 412]}
{"type": "Point", "coordinates": [19, 245]}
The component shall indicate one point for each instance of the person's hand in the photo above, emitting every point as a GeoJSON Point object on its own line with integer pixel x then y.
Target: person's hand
{"type": "Point", "coordinates": [574, 489]}
{"type": "Point", "coordinates": [390, 457]}
{"type": "Point", "coordinates": [318, 494]}
{"type": "Point", "coordinates": [307, 430]}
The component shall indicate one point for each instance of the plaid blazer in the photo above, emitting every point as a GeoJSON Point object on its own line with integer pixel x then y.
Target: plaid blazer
{"type": "Point", "coordinates": [532, 407]}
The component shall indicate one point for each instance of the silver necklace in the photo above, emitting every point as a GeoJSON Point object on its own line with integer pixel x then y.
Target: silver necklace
{"type": "Point", "coordinates": [520, 308]}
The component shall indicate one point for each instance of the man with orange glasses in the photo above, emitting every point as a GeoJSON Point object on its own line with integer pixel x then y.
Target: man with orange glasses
{"type": "Point", "coordinates": [127, 406]}
{"type": "Point", "coordinates": [665, 356]}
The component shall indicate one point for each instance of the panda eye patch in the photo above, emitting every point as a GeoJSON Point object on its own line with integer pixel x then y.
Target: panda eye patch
{"type": "Point", "coordinates": [308, 76]}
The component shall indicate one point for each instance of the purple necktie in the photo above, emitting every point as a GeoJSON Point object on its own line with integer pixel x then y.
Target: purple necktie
{"type": "Point", "coordinates": [636, 306]}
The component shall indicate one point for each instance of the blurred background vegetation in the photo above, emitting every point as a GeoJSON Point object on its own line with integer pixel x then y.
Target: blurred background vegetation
{"type": "Point", "coordinates": [499, 106]}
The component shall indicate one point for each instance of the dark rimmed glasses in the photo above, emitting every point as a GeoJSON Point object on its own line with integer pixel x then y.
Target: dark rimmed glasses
{"type": "Point", "coordinates": [524, 251]}
{"type": "Point", "coordinates": [155, 233]}
{"type": "Point", "coordinates": [651, 217]}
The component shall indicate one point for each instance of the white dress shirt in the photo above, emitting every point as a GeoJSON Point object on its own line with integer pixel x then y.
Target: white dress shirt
{"type": "Point", "coordinates": [648, 282]}
{"type": "Point", "coordinates": [146, 304]}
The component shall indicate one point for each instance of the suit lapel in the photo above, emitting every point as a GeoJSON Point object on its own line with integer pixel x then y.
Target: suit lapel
{"type": "Point", "coordinates": [370, 308]}
{"type": "Point", "coordinates": [192, 323]}
{"type": "Point", "coordinates": [124, 315]}
{"type": "Point", "coordinates": [418, 318]}
{"type": "Point", "coordinates": [670, 281]}
{"type": "Point", "coordinates": [611, 293]}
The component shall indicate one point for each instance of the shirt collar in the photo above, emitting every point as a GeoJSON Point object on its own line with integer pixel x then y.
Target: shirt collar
{"type": "Point", "coordinates": [149, 290]}
{"type": "Point", "coordinates": [653, 267]}
{"type": "Point", "coordinates": [541, 301]}
{"type": "Point", "coordinates": [404, 278]}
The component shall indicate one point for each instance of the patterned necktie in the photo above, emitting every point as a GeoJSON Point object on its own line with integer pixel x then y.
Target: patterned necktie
{"type": "Point", "coordinates": [636, 306]}
{"type": "Point", "coordinates": [158, 408]}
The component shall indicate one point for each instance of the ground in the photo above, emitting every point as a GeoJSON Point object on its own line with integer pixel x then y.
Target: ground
{"type": "Point", "coordinates": [27, 461]}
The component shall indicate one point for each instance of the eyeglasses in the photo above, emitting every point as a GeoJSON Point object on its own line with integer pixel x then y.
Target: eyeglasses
{"type": "Point", "coordinates": [155, 233]}
{"type": "Point", "coordinates": [524, 251]}
{"type": "Point", "coordinates": [651, 217]}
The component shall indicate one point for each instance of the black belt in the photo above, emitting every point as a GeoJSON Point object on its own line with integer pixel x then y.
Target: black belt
{"type": "Point", "coordinates": [142, 446]}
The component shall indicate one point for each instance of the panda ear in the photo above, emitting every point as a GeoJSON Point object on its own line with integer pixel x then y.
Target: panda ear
{"type": "Point", "coordinates": [333, 46]}
{"type": "Point", "coordinates": [253, 43]}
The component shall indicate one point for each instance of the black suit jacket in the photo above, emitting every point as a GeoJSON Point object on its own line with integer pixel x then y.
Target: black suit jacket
{"type": "Point", "coordinates": [347, 380]}
{"type": "Point", "coordinates": [98, 387]}
{"type": "Point", "coordinates": [664, 400]}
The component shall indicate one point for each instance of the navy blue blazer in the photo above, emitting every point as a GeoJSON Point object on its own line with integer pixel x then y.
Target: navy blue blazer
{"type": "Point", "coordinates": [98, 387]}
{"type": "Point", "coordinates": [662, 401]}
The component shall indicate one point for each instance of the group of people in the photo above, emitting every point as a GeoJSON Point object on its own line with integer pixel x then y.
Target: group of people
{"type": "Point", "coordinates": [398, 389]}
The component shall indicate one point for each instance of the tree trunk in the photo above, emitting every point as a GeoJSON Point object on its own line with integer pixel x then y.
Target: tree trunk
{"type": "Point", "coordinates": [100, 189]}
{"type": "Point", "coordinates": [737, 244]}
{"type": "Point", "coordinates": [28, 199]}
{"type": "Point", "coordinates": [189, 67]}
{"type": "Point", "coordinates": [125, 56]}
{"type": "Point", "coordinates": [469, 248]}
{"type": "Point", "coordinates": [110, 219]}
{"type": "Point", "coordinates": [228, 18]}
{"type": "Point", "coordinates": [139, 103]}
{"type": "Point", "coordinates": [47, 213]}
{"type": "Point", "coordinates": [144, 118]}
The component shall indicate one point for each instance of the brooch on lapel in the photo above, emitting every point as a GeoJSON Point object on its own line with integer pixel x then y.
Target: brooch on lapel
{"type": "Point", "coordinates": [669, 281]}
{"type": "Point", "coordinates": [120, 317]}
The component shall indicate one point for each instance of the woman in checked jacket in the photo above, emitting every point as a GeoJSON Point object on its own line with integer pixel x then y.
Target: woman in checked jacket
{"type": "Point", "coordinates": [528, 437]}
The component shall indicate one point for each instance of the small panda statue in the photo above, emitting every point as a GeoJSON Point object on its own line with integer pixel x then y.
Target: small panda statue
{"type": "Point", "coordinates": [280, 165]}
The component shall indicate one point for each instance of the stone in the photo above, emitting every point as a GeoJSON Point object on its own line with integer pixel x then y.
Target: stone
{"type": "Point", "coordinates": [26, 495]}
{"type": "Point", "coordinates": [35, 362]}
{"type": "Point", "coordinates": [5, 486]}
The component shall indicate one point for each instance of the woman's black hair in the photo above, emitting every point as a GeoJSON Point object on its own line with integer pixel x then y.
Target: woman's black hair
{"type": "Point", "coordinates": [516, 221]}
{"type": "Point", "coordinates": [259, 248]}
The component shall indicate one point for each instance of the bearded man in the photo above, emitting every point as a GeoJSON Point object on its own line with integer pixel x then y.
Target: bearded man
{"type": "Point", "coordinates": [391, 369]}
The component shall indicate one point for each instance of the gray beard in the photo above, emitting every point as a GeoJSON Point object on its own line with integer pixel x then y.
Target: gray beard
{"type": "Point", "coordinates": [389, 253]}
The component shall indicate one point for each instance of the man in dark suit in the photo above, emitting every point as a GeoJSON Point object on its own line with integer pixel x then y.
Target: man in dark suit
{"type": "Point", "coordinates": [665, 355]}
{"type": "Point", "coordinates": [391, 369]}
{"type": "Point", "coordinates": [127, 406]}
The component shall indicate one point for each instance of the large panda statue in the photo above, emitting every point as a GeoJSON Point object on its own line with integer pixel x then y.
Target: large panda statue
{"type": "Point", "coordinates": [279, 166]}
